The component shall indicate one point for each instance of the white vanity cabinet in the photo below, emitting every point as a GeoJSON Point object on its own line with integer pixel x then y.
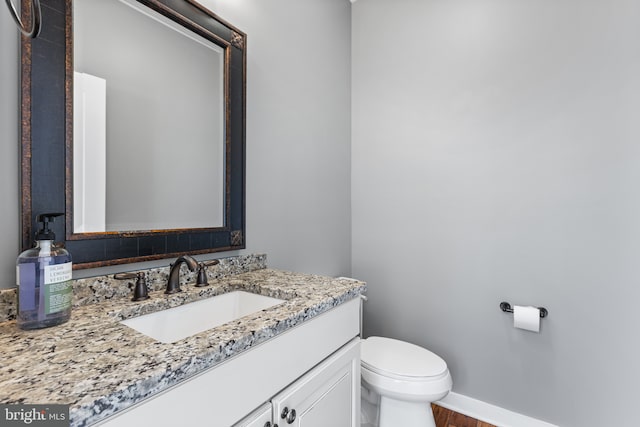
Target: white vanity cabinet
{"type": "Point", "coordinates": [312, 368]}
{"type": "Point", "coordinates": [328, 395]}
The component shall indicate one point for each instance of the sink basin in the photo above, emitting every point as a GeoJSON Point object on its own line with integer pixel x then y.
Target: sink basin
{"type": "Point", "coordinates": [174, 324]}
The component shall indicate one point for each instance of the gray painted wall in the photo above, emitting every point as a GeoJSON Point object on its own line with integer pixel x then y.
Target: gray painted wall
{"type": "Point", "coordinates": [298, 135]}
{"type": "Point", "coordinates": [9, 150]}
{"type": "Point", "coordinates": [298, 130]}
{"type": "Point", "coordinates": [495, 157]}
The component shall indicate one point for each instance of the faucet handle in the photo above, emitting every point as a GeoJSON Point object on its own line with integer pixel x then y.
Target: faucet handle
{"type": "Point", "coordinates": [140, 290]}
{"type": "Point", "coordinates": [202, 272]}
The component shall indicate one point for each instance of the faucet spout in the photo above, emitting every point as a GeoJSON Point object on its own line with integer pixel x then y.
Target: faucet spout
{"type": "Point", "coordinates": [173, 284]}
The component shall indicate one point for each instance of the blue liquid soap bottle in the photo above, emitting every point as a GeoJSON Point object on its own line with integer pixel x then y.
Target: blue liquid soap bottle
{"type": "Point", "coordinates": [44, 281]}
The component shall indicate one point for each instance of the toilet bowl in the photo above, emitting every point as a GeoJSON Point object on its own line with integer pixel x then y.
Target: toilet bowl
{"type": "Point", "coordinates": [404, 379]}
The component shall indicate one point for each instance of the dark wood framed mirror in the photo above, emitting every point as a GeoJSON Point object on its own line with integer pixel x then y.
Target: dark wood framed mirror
{"type": "Point", "coordinates": [199, 204]}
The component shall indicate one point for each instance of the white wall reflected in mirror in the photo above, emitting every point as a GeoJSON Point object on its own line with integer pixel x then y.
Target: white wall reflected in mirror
{"type": "Point", "coordinates": [89, 153]}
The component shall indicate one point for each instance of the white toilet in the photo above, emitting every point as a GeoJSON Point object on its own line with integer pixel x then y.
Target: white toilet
{"type": "Point", "coordinates": [399, 382]}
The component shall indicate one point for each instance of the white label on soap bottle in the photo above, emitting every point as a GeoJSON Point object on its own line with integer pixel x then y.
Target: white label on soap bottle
{"type": "Point", "coordinates": [57, 273]}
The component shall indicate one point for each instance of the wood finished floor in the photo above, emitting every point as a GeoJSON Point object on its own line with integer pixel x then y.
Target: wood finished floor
{"type": "Point", "coordinates": [447, 418]}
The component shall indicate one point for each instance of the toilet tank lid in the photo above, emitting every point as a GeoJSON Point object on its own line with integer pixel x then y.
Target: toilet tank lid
{"type": "Point", "coordinates": [400, 358]}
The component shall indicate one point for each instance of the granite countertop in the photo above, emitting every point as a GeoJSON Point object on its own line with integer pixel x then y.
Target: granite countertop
{"type": "Point", "coordinates": [99, 366]}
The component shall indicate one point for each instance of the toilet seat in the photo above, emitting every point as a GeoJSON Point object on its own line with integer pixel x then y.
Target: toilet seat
{"type": "Point", "coordinates": [403, 371]}
{"type": "Point", "coordinates": [405, 378]}
{"type": "Point", "coordinates": [401, 360]}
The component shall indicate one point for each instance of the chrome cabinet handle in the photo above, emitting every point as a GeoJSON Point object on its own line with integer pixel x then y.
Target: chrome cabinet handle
{"type": "Point", "coordinates": [292, 416]}
{"type": "Point", "coordinates": [284, 413]}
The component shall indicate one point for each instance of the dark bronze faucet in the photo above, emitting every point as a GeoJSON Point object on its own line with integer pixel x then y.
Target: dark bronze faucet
{"type": "Point", "coordinates": [173, 284]}
{"type": "Point", "coordinates": [141, 289]}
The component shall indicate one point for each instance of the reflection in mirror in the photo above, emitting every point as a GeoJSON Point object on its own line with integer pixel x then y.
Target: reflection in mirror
{"type": "Point", "coordinates": [148, 133]}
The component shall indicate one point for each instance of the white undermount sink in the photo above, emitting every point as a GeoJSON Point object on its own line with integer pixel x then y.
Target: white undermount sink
{"type": "Point", "coordinates": [174, 324]}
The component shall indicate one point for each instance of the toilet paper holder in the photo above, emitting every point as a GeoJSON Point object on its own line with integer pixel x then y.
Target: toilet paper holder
{"type": "Point", "coordinates": [506, 307]}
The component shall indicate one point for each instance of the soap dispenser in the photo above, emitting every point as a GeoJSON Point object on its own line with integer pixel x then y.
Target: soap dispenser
{"type": "Point", "coordinates": [43, 276]}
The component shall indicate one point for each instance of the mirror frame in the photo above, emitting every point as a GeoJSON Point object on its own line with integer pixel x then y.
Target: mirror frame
{"type": "Point", "coordinates": [47, 138]}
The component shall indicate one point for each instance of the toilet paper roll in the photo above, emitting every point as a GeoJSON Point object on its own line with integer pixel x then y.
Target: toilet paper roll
{"type": "Point", "coordinates": [527, 318]}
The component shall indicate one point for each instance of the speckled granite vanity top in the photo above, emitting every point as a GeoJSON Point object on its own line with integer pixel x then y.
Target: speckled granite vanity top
{"type": "Point", "coordinates": [100, 366]}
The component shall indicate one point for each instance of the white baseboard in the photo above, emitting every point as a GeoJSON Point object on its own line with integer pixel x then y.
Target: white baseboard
{"type": "Point", "coordinates": [489, 413]}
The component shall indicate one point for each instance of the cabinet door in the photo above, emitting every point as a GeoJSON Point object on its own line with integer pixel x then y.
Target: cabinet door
{"type": "Point", "coordinates": [328, 395]}
{"type": "Point", "coordinates": [261, 417]}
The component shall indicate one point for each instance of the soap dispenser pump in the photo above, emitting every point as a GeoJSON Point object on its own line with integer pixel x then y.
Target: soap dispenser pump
{"type": "Point", "coordinates": [43, 276]}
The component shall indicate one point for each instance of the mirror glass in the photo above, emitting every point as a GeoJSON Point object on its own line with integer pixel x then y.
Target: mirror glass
{"type": "Point", "coordinates": [148, 131]}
